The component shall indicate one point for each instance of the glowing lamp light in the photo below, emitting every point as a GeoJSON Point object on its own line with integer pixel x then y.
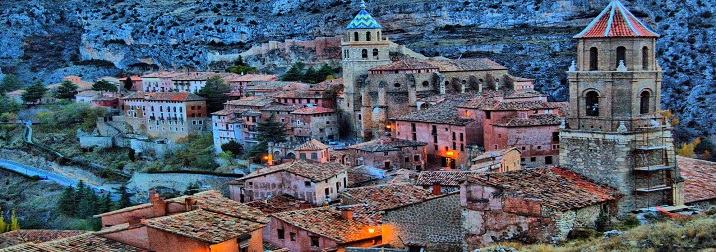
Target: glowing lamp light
{"type": "Point", "coordinates": [370, 230]}
{"type": "Point", "coordinates": [266, 157]}
{"type": "Point", "coordinates": [387, 126]}
{"type": "Point", "coordinates": [450, 153]}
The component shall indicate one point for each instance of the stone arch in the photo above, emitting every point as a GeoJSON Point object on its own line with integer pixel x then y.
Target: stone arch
{"type": "Point", "coordinates": [426, 83]}
{"type": "Point", "coordinates": [621, 55]}
{"type": "Point", "coordinates": [276, 155]}
{"type": "Point", "coordinates": [291, 155]}
{"type": "Point", "coordinates": [593, 59]}
{"type": "Point", "coordinates": [396, 85]}
{"type": "Point", "coordinates": [645, 58]}
{"type": "Point", "coordinates": [375, 53]}
{"type": "Point", "coordinates": [425, 105]}
{"type": "Point", "coordinates": [645, 101]}
{"type": "Point", "coordinates": [591, 101]}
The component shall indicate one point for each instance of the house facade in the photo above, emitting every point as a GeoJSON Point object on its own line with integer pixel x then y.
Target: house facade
{"type": "Point", "coordinates": [389, 153]}
{"type": "Point", "coordinates": [170, 116]}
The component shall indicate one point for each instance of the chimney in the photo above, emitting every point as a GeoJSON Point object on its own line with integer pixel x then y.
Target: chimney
{"type": "Point", "coordinates": [134, 220]}
{"type": "Point", "coordinates": [347, 213]}
{"type": "Point", "coordinates": [189, 203]}
{"type": "Point", "coordinates": [159, 206]}
{"type": "Point", "coordinates": [436, 189]}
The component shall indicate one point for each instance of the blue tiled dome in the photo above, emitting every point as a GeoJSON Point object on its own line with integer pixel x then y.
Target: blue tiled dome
{"type": "Point", "coordinates": [364, 21]}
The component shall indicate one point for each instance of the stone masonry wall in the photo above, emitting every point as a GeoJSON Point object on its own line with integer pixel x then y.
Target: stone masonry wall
{"type": "Point", "coordinates": [434, 224]}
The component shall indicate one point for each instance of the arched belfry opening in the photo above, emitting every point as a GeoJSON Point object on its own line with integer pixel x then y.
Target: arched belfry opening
{"type": "Point", "coordinates": [593, 59]}
{"type": "Point", "coordinates": [645, 58]}
{"type": "Point", "coordinates": [592, 103]}
{"type": "Point", "coordinates": [621, 55]}
{"type": "Point", "coordinates": [644, 102]}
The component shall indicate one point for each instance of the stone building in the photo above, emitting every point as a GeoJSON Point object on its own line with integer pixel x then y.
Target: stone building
{"type": "Point", "coordinates": [384, 196]}
{"type": "Point", "coordinates": [442, 182]}
{"type": "Point", "coordinates": [314, 123]}
{"type": "Point", "coordinates": [136, 83]}
{"type": "Point", "coordinates": [159, 81]}
{"type": "Point", "coordinates": [533, 205]}
{"type": "Point", "coordinates": [314, 150]}
{"type": "Point", "coordinates": [615, 134]}
{"type": "Point", "coordinates": [303, 179]}
{"type": "Point", "coordinates": [497, 161]}
{"type": "Point", "coordinates": [389, 153]}
{"type": "Point", "coordinates": [170, 116]}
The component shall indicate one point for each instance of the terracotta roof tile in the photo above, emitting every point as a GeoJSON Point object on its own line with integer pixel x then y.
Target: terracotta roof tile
{"type": "Point", "coordinates": [495, 154]}
{"type": "Point", "coordinates": [312, 110]}
{"type": "Point", "coordinates": [204, 225]}
{"type": "Point", "coordinates": [30, 247]}
{"type": "Point", "coordinates": [311, 145]}
{"type": "Point", "coordinates": [277, 204]}
{"type": "Point", "coordinates": [406, 64]}
{"type": "Point", "coordinates": [360, 174]}
{"type": "Point", "coordinates": [165, 96]}
{"type": "Point", "coordinates": [282, 108]}
{"type": "Point", "coordinates": [252, 101]}
{"type": "Point", "coordinates": [297, 94]}
{"type": "Point", "coordinates": [388, 195]}
{"type": "Point", "coordinates": [556, 187]}
{"type": "Point", "coordinates": [443, 178]}
{"type": "Point", "coordinates": [520, 105]}
{"type": "Point", "coordinates": [327, 85]}
{"type": "Point", "coordinates": [305, 168]}
{"type": "Point", "coordinates": [386, 144]}
{"type": "Point", "coordinates": [616, 21]}
{"type": "Point", "coordinates": [532, 120]}
{"type": "Point", "coordinates": [327, 222]}
{"type": "Point", "coordinates": [700, 179]}
{"type": "Point", "coordinates": [34, 235]}
{"type": "Point", "coordinates": [444, 113]}
{"type": "Point", "coordinates": [89, 242]}
{"type": "Point", "coordinates": [457, 65]}
{"type": "Point", "coordinates": [267, 85]}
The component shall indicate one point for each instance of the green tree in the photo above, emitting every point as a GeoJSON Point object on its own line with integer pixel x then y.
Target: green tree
{"type": "Point", "coordinates": [234, 147]}
{"type": "Point", "coordinates": [104, 204]}
{"type": "Point", "coordinates": [86, 207]}
{"type": "Point", "coordinates": [324, 72]}
{"type": "Point", "coordinates": [103, 85]}
{"type": "Point", "coordinates": [7, 105]}
{"type": "Point", "coordinates": [128, 83]}
{"type": "Point", "coordinates": [192, 188]}
{"type": "Point", "coordinates": [79, 194]}
{"type": "Point", "coordinates": [295, 73]}
{"type": "Point", "coordinates": [66, 90]}
{"type": "Point", "coordinates": [3, 225]}
{"type": "Point", "coordinates": [14, 224]}
{"type": "Point", "coordinates": [124, 198]}
{"type": "Point", "coordinates": [34, 92]}
{"type": "Point", "coordinates": [216, 93]}
{"type": "Point", "coordinates": [311, 76]}
{"type": "Point", "coordinates": [270, 130]}
{"type": "Point", "coordinates": [10, 83]}
{"type": "Point", "coordinates": [240, 67]}
{"type": "Point", "coordinates": [67, 205]}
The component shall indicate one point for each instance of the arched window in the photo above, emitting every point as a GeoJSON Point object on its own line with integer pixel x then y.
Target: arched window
{"type": "Point", "coordinates": [396, 84]}
{"type": "Point", "coordinates": [645, 58]}
{"type": "Point", "coordinates": [378, 36]}
{"type": "Point", "coordinates": [364, 53]}
{"type": "Point", "coordinates": [644, 108]}
{"type": "Point", "coordinates": [426, 83]}
{"type": "Point", "coordinates": [375, 53]}
{"type": "Point", "coordinates": [355, 36]}
{"type": "Point", "coordinates": [367, 36]}
{"type": "Point", "coordinates": [593, 59]}
{"type": "Point", "coordinates": [592, 102]}
{"type": "Point", "coordinates": [621, 55]}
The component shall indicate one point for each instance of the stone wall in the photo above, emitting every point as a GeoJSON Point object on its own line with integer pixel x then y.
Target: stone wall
{"type": "Point", "coordinates": [434, 224]}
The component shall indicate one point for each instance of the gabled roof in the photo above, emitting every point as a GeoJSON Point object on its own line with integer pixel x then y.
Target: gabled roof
{"type": "Point", "coordinates": [443, 178]}
{"type": "Point", "coordinates": [458, 65]}
{"type": "Point", "coordinates": [532, 120]}
{"type": "Point", "coordinates": [251, 101]}
{"type": "Point", "coordinates": [442, 113]}
{"type": "Point", "coordinates": [280, 203]}
{"type": "Point", "coordinates": [519, 105]}
{"type": "Point", "coordinates": [699, 179]}
{"type": "Point", "coordinates": [311, 145]}
{"type": "Point", "coordinates": [406, 64]}
{"type": "Point", "coordinates": [312, 110]}
{"type": "Point", "coordinates": [364, 20]}
{"type": "Point", "coordinates": [555, 187]}
{"type": "Point", "coordinates": [328, 223]}
{"type": "Point", "coordinates": [495, 153]}
{"type": "Point", "coordinates": [327, 85]}
{"type": "Point", "coordinates": [81, 243]}
{"type": "Point", "coordinates": [616, 21]}
{"type": "Point", "coordinates": [305, 168]}
{"type": "Point", "coordinates": [21, 236]}
{"type": "Point", "coordinates": [386, 144]}
{"type": "Point", "coordinates": [204, 225]}
{"type": "Point", "coordinates": [387, 195]}
{"type": "Point", "coordinates": [165, 96]}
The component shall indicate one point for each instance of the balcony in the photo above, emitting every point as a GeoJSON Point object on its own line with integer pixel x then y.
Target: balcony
{"type": "Point", "coordinates": [655, 168]}
{"type": "Point", "coordinates": [653, 188]}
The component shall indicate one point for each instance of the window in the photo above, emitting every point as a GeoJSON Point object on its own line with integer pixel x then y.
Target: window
{"type": "Point", "coordinates": [292, 235]}
{"type": "Point", "coordinates": [416, 158]}
{"type": "Point", "coordinates": [555, 136]}
{"type": "Point", "coordinates": [385, 153]}
{"type": "Point", "coordinates": [621, 55]}
{"type": "Point", "coordinates": [533, 159]}
{"type": "Point", "coordinates": [367, 36]}
{"type": "Point", "coordinates": [436, 147]}
{"type": "Point", "coordinates": [548, 160]}
{"type": "Point", "coordinates": [375, 53]}
{"type": "Point", "coordinates": [539, 147]}
{"type": "Point", "coordinates": [593, 59]}
{"type": "Point", "coordinates": [645, 58]}
{"type": "Point", "coordinates": [407, 159]}
{"type": "Point", "coordinates": [453, 136]}
{"type": "Point", "coordinates": [592, 102]}
{"type": "Point", "coordinates": [396, 84]}
{"type": "Point", "coordinates": [426, 83]}
{"type": "Point", "coordinates": [387, 165]}
{"type": "Point", "coordinates": [355, 36]}
{"type": "Point", "coordinates": [314, 239]}
{"type": "Point", "coordinates": [281, 234]}
{"type": "Point", "coordinates": [412, 126]}
{"type": "Point", "coordinates": [415, 136]}
{"type": "Point", "coordinates": [314, 156]}
{"type": "Point", "coordinates": [488, 115]}
{"type": "Point", "coordinates": [302, 156]}
{"type": "Point", "coordinates": [364, 54]}
{"type": "Point", "coordinates": [644, 106]}
{"type": "Point", "coordinates": [467, 112]}
{"type": "Point", "coordinates": [461, 137]}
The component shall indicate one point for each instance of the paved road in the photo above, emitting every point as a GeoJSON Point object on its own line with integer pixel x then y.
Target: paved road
{"type": "Point", "coordinates": [60, 179]}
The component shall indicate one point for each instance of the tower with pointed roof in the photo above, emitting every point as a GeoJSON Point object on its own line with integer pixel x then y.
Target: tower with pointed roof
{"type": "Point", "coordinates": [363, 47]}
{"type": "Point", "coordinates": [614, 133]}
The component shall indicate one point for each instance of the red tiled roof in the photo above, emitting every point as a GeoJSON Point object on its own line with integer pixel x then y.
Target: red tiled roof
{"type": "Point", "coordinates": [305, 168]}
{"type": "Point", "coordinates": [388, 195]}
{"type": "Point", "coordinates": [279, 108]}
{"type": "Point", "coordinates": [277, 204]}
{"type": "Point", "coordinates": [532, 120]}
{"type": "Point", "coordinates": [386, 144]}
{"type": "Point", "coordinates": [34, 235]}
{"type": "Point", "coordinates": [312, 110]}
{"type": "Point", "coordinates": [519, 105]}
{"type": "Point", "coordinates": [165, 96]}
{"type": "Point", "coordinates": [444, 112]}
{"type": "Point", "coordinates": [616, 21]}
{"type": "Point", "coordinates": [297, 94]}
{"type": "Point", "coordinates": [89, 242]}
{"type": "Point", "coordinates": [457, 65]}
{"type": "Point", "coordinates": [556, 187]}
{"type": "Point", "coordinates": [204, 226]}
{"type": "Point", "coordinates": [699, 179]}
{"type": "Point", "coordinates": [252, 101]}
{"type": "Point", "coordinates": [30, 247]}
{"type": "Point", "coordinates": [327, 84]}
{"type": "Point", "coordinates": [327, 222]}
{"type": "Point", "coordinates": [406, 64]}
{"type": "Point", "coordinates": [443, 178]}
{"type": "Point", "coordinates": [311, 145]}
{"type": "Point", "coordinates": [133, 78]}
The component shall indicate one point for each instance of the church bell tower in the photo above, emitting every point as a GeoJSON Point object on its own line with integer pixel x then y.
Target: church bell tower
{"type": "Point", "coordinates": [615, 134]}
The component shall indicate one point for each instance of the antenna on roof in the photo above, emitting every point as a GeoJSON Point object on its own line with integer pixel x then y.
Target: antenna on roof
{"type": "Point", "coordinates": [362, 4]}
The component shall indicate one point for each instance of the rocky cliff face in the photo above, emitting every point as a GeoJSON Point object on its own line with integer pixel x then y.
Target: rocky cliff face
{"type": "Point", "coordinates": [47, 39]}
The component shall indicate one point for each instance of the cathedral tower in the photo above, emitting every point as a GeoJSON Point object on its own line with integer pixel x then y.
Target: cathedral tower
{"type": "Point", "coordinates": [614, 133]}
{"type": "Point", "coordinates": [364, 47]}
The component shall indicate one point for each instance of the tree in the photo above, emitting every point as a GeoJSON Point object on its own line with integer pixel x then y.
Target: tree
{"type": "Point", "coordinates": [86, 207]}
{"type": "Point", "coordinates": [234, 147]}
{"type": "Point", "coordinates": [192, 188]}
{"type": "Point", "coordinates": [270, 130]}
{"type": "Point", "coordinates": [14, 224]}
{"type": "Point", "coordinates": [124, 200]}
{"type": "Point", "coordinates": [103, 85]}
{"type": "Point", "coordinates": [3, 225]}
{"type": "Point", "coordinates": [241, 68]}
{"type": "Point", "coordinates": [34, 92]}
{"type": "Point", "coordinates": [67, 205]}
{"type": "Point", "coordinates": [128, 83]}
{"type": "Point", "coordinates": [66, 90]}
{"type": "Point", "coordinates": [216, 93]}
{"type": "Point", "coordinates": [311, 76]}
{"type": "Point", "coordinates": [104, 204]}
{"type": "Point", "coordinates": [10, 83]}
{"type": "Point", "coordinates": [687, 149]}
{"type": "Point", "coordinates": [295, 73]}
{"type": "Point", "coordinates": [324, 72]}
{"type": "Point", "coordinates": [7, 105]}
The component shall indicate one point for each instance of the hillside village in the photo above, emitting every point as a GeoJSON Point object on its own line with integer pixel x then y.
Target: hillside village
{"type": "Point", "coordinates": [400, 152]}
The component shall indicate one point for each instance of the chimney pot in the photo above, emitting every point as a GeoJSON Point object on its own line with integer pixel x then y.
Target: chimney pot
{"type": "Point", "coordinates": [347, 213]}
{"type": "Point", "coordinates": [436, 189]}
